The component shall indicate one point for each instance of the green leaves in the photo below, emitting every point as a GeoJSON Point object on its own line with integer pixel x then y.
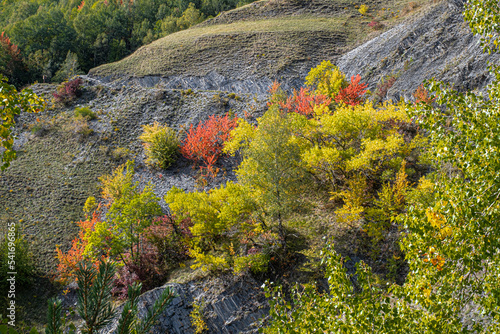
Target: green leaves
{"type": "Point", "coordinates": [12, 103]}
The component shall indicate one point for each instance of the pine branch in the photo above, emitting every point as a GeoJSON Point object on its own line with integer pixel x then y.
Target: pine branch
{"type": "Point", "coordinates": [159, 306]}
{"type": "Point", "coordinates": [54, 312]}
{"type": "Point", "coordinates": [129, 312]}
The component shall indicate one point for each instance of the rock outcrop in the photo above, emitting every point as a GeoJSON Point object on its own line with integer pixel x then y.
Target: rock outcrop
{"type": "Point", "coordinates": [437, 44]}
{"type": "Point", "coordinates": [232, 305]}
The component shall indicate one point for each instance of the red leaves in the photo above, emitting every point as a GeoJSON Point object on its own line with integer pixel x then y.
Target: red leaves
{"type": "Point", "coordinates": [304, 102]}
{"type": "Point", "coordinates": [7, 45]}
{"type": "Point", "coordinates": [13, 60]}
{"type": "Point", "coordinates": [352, 94]}
{"type": "Point", "coordinates": [204, 143]}
{"type": "Point", "coordinates": [68, 91]}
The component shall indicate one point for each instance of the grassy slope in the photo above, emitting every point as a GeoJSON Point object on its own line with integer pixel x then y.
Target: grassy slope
{"type": "Point", "coordinates": [265, 38]}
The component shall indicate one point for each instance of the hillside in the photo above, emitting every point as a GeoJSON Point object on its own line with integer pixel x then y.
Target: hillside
{"type": "Point", "coordinates": [223, 65]}
{"type": "Point", "coordinates": [245, 49]}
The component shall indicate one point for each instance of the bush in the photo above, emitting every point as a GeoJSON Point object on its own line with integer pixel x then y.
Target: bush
{"type": "Point", "coordinates": [204, 143]}
{"type": "Point", "coordinates": [375, 25]}
{"type": "Point", "coordinates": [161, 144]}
{"type": "Point", "coordinates": [363, 9]}
{"type": "Point", "coordinates": [304, 101]}
{"type": "Point", "coordinates": [352, 94]}
{"type": "Point", "coordinates": [85, 112]}
{"type": "Point", "coordinates": [68, 91]}
{"type": "Point", "coordinates": [383, 86]}
{"type": "Point", "coordinates": [15, 257]}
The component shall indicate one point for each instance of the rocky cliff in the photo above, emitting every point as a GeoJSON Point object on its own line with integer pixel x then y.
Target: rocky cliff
{"type": "Point", "coordinates": [436, 44]}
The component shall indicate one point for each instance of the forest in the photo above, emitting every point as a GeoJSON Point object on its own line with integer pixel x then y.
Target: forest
{"type": "Point", "coordinates": [410, 188]}
{"type": "Point", "coordinates": [51, 41]}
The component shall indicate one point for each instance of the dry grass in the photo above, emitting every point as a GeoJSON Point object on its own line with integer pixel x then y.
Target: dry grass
{"type": "Point", "coordinates": [262, 39]}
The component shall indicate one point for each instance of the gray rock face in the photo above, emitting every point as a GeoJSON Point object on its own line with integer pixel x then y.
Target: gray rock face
{"type": "Point", "coordinates": [232, 305]}
{"type": "Point", "coordinates": [436, 44]}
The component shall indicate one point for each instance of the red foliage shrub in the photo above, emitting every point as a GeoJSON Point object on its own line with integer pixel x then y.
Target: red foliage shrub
{"type": "Point", "coordinates": [421, 95]}
{"type": "Point", "coordinates": [68, 91]}
{"type": "Point", "coordinates": [375, 25]}
{"type": "Point", "coordinates": [352, 94]}
{"type": "Point", "coordinates": [384, 86]}
{"type": "Point", "coordinates": [303, 102]}
{"type": "Point", "coordinates": [170, 238]}
{"type": "Point", "coordinates": [164, 247]}
{"type": "Point", "coordinates": [147, 269]}
{"type": "Point", "coordinates": [204, 143]}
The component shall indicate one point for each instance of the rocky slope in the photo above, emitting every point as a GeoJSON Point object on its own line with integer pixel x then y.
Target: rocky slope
{"type": "Point", "coordinates": [436, 44]}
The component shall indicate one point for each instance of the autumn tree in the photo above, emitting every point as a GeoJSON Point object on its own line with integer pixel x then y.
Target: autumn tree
{"type": "Point", "coordinates": [326, 79]}
{"type": "Point", "coordinates": [11, 62]}
{"type": "Point", "coordinates": [130, 212]}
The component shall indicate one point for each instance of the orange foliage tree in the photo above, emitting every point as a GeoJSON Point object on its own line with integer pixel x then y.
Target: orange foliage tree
{"type": "Point", "coordinates": [204, 143]}
{"type": "Point", "coordinates": [68, 262]}
{"type": "Point", "coordinates": [352, 94]}
{"type": "Point", "coordinates": [421, 95]}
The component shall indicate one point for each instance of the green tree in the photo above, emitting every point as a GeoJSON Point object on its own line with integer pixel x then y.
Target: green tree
{"type": "Point", "coordinates": [131, 211]}
{"type": "Point", "coordinates": [12, 103]}
{"type": "Point", "coordinates": [271, 169]}
{"type": "Point", "coordinates": [69, 68]}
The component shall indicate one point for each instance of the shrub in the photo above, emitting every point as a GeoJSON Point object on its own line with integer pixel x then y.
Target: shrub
{"type": "Point", "coordinates": [161, 144]}
{"type": "Point", "coordinates": [326, 79]}
{"type": "Point", "coordinates": [85, 112]}
{"type": "Point", "coordinates": [170, 238]}
{"type": "Point", "coordinates": [198, 317]}
{"type": "Point", "coordinates": [204, 143]}
{"type": "Point", "coordinates": [421, 95]}
{"type": "Point", "coordinates": [15, 256]}
{"type": "Point", "coordinates": [148, 269]}
{"type": "Point", "coordinates": [375, 25]}
{"type": "Point", "coordinates": [255, 261]}
{"type": "Point", "coordinates": [68, 91]}
{"type": "Point", "coordinates": [363, 9]}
